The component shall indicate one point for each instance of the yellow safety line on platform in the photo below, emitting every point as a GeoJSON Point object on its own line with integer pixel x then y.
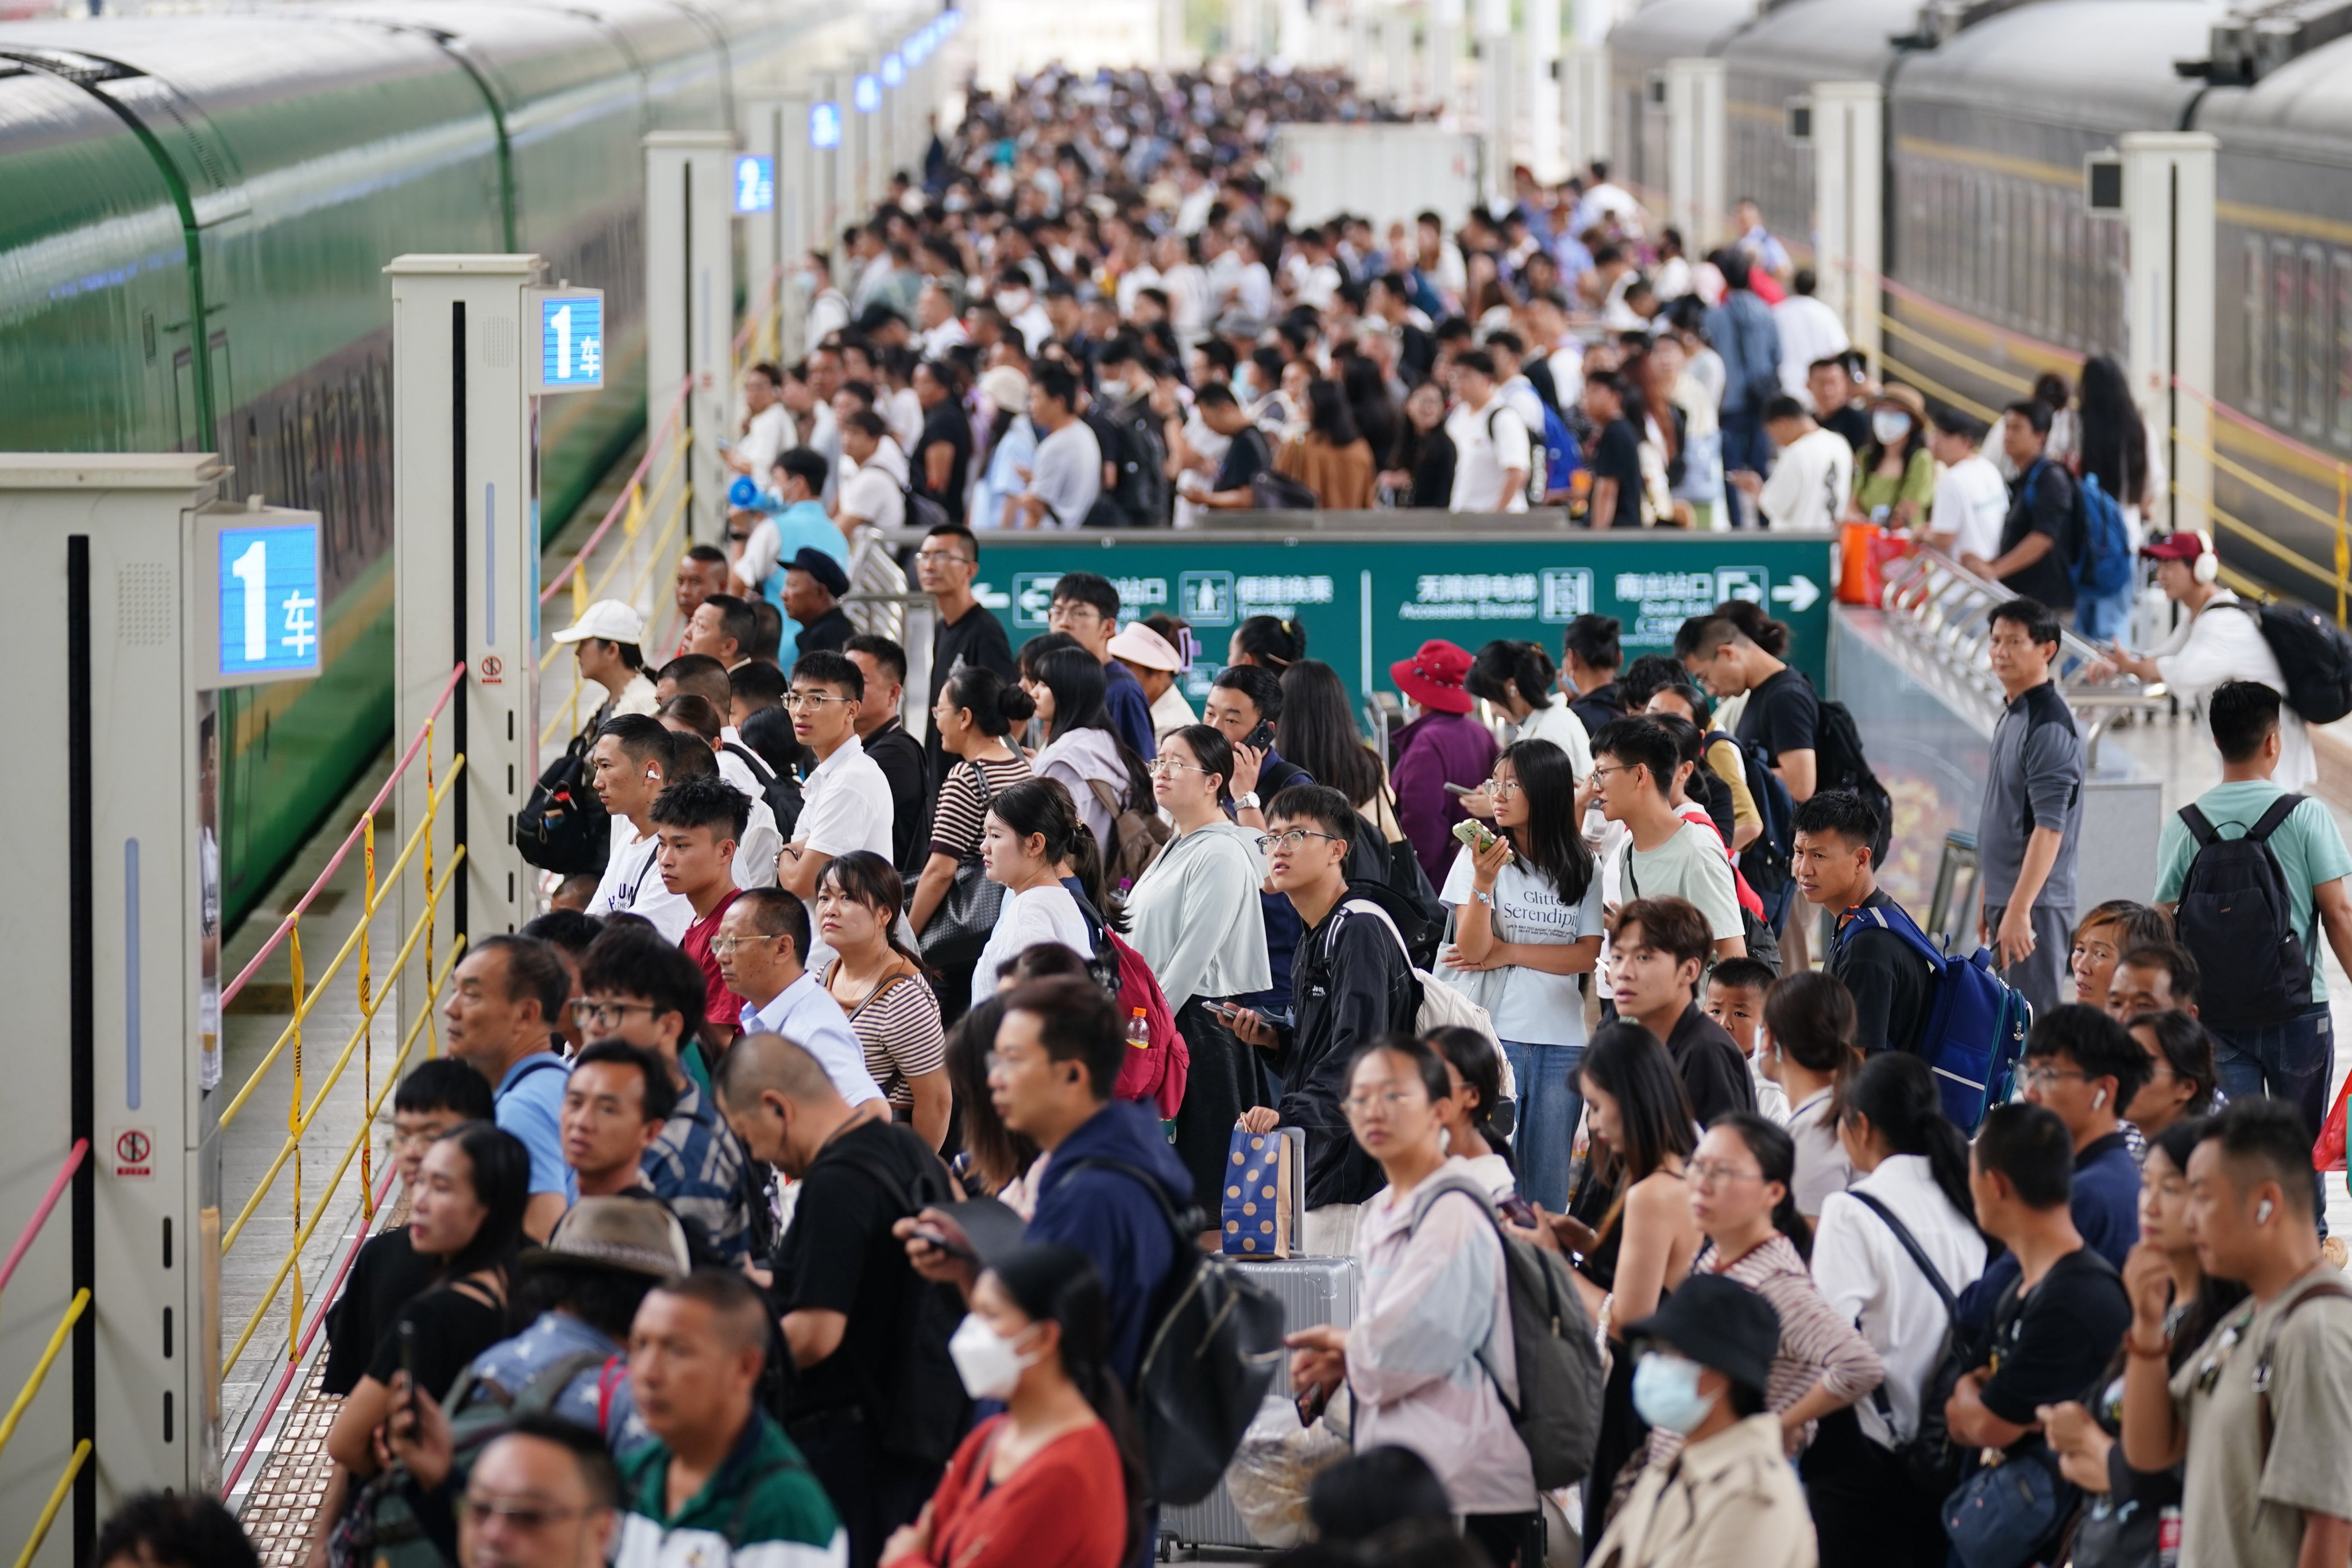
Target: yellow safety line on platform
{"type": "Point", "coordinates": [56, 1500]}
{"type": "Point", "coordinates": [299, 1125]}
{"type": "Point", "coordinates": [303, 1001]}
{"type": "Point", "coordinates": [2016, 383]}
{"type": "Point", "coordinates": [367, 1128]}
{"type": "Point", "coordinates": [1898, 368]}
{"type": "Point", "coordinates": [41, 1367]}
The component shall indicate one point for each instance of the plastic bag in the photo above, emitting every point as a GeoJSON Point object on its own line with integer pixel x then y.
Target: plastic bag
{"type": "Point", "coordinates": [1277, 1461]}
{"type": "Point", "coordinates": [2327, 1155]}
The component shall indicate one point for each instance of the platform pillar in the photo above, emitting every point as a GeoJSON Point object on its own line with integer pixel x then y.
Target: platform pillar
{"type": "Point", "coordinates": [1539, 51]}
{"type": "Point", "coordinates": [1442, 44]}
{"type": "Point", "coordinates": [1849, 200]}
{"type": "Point", "coordinates": [2168, 209]}
{"type": "Point", "coordinates": [1694, 151]}
{"type": "Point", "coordinates": [690, 303]}
{"type": "Point", "coordinates": [1584, 89]}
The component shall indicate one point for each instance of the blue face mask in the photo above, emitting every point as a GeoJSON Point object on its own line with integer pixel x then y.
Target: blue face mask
{"type": "Point", "coordinates": [1665, 1392]}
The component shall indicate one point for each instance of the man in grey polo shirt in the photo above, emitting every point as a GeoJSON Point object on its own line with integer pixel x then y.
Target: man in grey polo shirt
{"type": "Point", "coordinates": [1067, 474]}
{"type": "Point", "coordinates": [2032, 815]}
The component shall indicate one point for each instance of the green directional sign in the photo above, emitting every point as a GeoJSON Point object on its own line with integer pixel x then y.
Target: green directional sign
{"type": "Point", "coordinates": [1369, 598]}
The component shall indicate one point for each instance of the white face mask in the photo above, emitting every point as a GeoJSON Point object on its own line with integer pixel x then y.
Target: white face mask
{"type": "Point", "coordinates": [1012, 301]}
{"type": "Point", "coordinates": [985, 1359]}
{"type": "Point", "coordinates": [1889, 428]}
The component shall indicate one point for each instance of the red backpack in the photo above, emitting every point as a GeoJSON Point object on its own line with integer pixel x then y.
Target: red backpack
{"type": "Point", "coordinates": [1156, 1074]}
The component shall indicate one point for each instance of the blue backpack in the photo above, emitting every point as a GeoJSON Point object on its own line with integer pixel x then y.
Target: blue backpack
{"type": "Point", "coordinates": [1975, 1027]}
{"type": "Point", "coordinates": [1561, 456]}
{"type": "Point", "coordinates": [2103, 554]}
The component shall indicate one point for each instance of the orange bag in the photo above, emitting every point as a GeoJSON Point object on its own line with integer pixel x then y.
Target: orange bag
{"type": "Point", "coordinates": [2327, 1155]}
{"type": "Point", "coordinates": [1858, 581]}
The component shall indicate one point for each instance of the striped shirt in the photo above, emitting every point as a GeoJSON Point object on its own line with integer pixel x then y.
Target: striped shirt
{"type": "Point", "coordinates": [1817, 1346]}
{"type": "Point", "coordinates": [898, 1028]}
{"type": "Point", "coordinates": [960, 813]}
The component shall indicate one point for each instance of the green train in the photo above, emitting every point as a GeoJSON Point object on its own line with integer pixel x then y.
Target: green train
{"type": "Point", "coordinates": [195, 214]}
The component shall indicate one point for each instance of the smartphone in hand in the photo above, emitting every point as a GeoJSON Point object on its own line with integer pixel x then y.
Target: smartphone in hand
{"type": "Point", "coordinates": [408, 1360]}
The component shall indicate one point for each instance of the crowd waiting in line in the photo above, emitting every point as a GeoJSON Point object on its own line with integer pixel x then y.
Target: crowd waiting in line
{"type": "Point", "coordinates": [692, 1269]}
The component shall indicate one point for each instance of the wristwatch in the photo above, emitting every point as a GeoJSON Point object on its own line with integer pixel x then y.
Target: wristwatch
{"type": "Point", "coordinates": [1246, 802]}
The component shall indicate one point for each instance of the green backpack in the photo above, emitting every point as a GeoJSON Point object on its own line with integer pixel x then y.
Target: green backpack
{"type": "Point", "coordinates": [385, 1528]}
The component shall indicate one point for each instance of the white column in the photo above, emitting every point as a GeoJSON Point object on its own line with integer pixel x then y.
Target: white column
{"type": "Point", "coordinates": [796, 231]}
{"type": "Point", "coordinates": [1443, 46]}
{"type": "Point", "coordinates": [691, 302]}
{"type": "Point", "coordinates": [1497, 98]}
{"type": "Point", "coordinates": [465, 496]}
{"type": "Point", "coordinates": [759, 114]}
{"type": "Point", "coordinates": [1694, 151]}
{"type": "Point", "coordinates": [1540, 50]}
{"type": "Point", "coordinates": [2169, 287]}
{"type": "Point", "coordinates": [1584, 70]}
{"type": "Point", "coordinates": [1848, 122]}
{"type": "Point", "coordinates": [1397, 47]}
{"type": "Point", "coordinates": [1296, 40]}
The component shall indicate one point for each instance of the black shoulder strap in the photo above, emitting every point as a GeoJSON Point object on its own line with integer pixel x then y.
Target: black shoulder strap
{"type": "Point", "coordinates": [1911, 1245]}
{"type": "Point", "coordinates": [857, 1159]}
{"type": "Point", "coordinates": [752, 759]}
{"type": "Point", "coordinates": [2270, 821]}
{"type": "Point", "coordinates": [2326, 1288]}
{"type": "Point", "coordinates": [1150, 1184]}
{"type": "Point", "coordinates": [2199, 829]}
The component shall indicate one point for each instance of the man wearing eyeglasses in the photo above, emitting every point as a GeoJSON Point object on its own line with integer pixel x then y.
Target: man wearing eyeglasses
{"type": "Point", "coordinates": [845, 803]}
{"type": "Point", "coordinates": [759, 950]}
{"type": "Point", "coordinates": [540, 1497]}
{"type": "Point", "coordinates": [964, 631]}
{"type": "Point", "coordinates": [1350, 983]}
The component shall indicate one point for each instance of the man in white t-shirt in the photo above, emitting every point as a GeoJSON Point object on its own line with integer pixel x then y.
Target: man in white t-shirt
{"type": "Point", "coordinates": [846, 802]}
{"type": "Point", "coordinates": [1971, 498]}
{"type": "Point", "coordinates": [1811, 475]}
{"type": "Point", "coordinates": [1491, 450]}
{"type": "Point", "coordinates": [2206, 651]}
{"type": "Point", "coordinates": [1067, 473]}
{"type": "Point", "coordinates": [627, 769]}
{"type": "Point", "coordinates": [1809, 331]}
{"type": "Point", "coordinates": [873, 485]}
{"type": "Point", "coordinates": [768, 430]}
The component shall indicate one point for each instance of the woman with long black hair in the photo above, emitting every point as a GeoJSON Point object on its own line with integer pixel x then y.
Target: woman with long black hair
{"type": "Point", "coordinates": [1272, 642]}
{"type": "Point", "coordinates": [1911, 1167]}
{"type": "Point", "coordinates": [1318, 731]}
{"type": "Point", "coordinates": [1081, 749]}
{"type": "Point", "coordinates": [1331, 457]}
{"type": "Point", "coordinates": [1056, 1480]}
{"type": "Point", "coordinates": [2115, 445]}
{"type": "Point", "coordinates": [1527, 909]}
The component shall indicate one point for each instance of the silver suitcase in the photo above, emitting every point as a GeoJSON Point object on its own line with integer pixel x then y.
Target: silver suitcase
{"type": "Point", "coordinates": [1312, 1290]}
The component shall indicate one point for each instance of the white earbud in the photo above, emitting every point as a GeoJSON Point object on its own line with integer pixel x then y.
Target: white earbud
{"type": "Point", "coordinates": [2263, 1212]}
{"type": "Point", "coordinates": [2098, 1098]}
{"type": "Point", "coordinates": [651, 775]}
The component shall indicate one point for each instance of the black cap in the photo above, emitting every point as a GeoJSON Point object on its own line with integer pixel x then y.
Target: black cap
{"type": "Point", "coordinates": [1719, 1322]}
{"type": "Point", "coordinates": [824, 568]}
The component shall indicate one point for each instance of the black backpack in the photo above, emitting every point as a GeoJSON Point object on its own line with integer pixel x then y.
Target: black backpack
{"type": "Point", "coordinates": [1765, 862]}
{"type": "Point", "coordinates": [1143, 493]}
{"type": "Point", "coordinates": [563, 828]}
{"type": "Point", "coordinates": [2236, 919]}
{"type": "Point", "coordinates": [2313, 653]}
{"type": "Point", "coordinates": [781, 791]}
{"type": "Point", "coordinates": [1212, 1352]}
{"type": "Point", "coordinates": [1839, 763]}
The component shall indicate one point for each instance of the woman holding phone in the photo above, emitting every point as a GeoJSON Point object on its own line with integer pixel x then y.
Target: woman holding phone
{"type": "Point", "coordinates": [1199, 923]}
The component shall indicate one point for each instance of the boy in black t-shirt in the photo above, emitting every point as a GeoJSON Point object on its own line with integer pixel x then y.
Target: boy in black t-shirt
{"type": "Point", "coordinates": [1782, 714]}
{"type": "Point", "coordinates": [2054, 1329]}
{"type": "Point", "coordinates": [1835, 868]}
{"type": "Point", "coordinates": [1616, 454]}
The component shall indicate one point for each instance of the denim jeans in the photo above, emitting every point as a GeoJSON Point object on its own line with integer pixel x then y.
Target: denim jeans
{"type": "Point", "coordinates": [2109, 619]}
{"type": "Point", "coordinates": [1549, 1107]}
{"type": "Point", "coordinates": [2290, 1061]}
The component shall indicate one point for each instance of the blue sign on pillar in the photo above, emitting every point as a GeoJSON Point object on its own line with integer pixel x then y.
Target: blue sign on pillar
{"type": "Point", "coordinates": [755, 184]}
{"type": "Point", "coordinates": [570, 353]}
{"type": "Point", "coordinates": [266, 598]}
{"type": "Point", "coordinates": [894, 68]}
{"type": "Point", "coordinates": [824, 125]}
{"type": "Point", "coordinates": [865, 93]}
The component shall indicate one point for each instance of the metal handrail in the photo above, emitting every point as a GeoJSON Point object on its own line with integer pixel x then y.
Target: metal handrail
{"type": "Point", "coordinates": [74, 1158]}
{"type": "Point", "coordinates": [628, 490]}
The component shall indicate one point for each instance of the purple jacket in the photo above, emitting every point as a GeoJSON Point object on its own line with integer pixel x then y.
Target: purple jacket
{"type": "Point", "coordinates": [1434, 751]}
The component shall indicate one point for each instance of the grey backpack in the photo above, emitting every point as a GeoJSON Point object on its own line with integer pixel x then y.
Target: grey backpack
{"type": "Point", "coordinates": [1558, 1413]}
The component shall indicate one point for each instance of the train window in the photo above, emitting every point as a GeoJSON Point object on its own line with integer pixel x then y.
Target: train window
{"type": "Point", "coordinates": [2257, 275]}
{"type": "Point", "coordinates": [2282, 318]}
{"type": "Point", "coordinates": [2315, 339]}
{"type": "Point", "coordinates": [2343, 350]}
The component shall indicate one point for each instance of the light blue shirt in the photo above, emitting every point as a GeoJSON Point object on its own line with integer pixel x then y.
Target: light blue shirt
{"type": "Point", "coordinates": [806, 1013]}
{"type": "Point", "coordinates": [529, 1103]}
{"type": "Point", "coordinates": [1017, 448]}
{"type": "Point", "coordinates": [800, 526]}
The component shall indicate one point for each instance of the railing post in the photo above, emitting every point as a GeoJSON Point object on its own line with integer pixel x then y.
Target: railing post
{"type": "Point", "coordinates": [367, 1023]}
{"type": "Point", "coordinates": [294, 1130]}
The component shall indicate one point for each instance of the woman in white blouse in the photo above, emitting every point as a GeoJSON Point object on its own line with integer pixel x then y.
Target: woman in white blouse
{"type": "Point", "coordinates": [1029, 831]}
{"type": "Point", "coordinates": [1912, 1170]}
{"type": "Point", "coordinates": [1519, 679]}
{"type": "Point", "coordinates": [1198, 922]}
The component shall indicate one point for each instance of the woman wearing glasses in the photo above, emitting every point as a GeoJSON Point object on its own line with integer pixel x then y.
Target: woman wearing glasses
{"type": "Point", "coordinates": [883, 990]}
{"type": "Point", "coordinates": [1527, 910]}
{"type": "Point", "coordinates": [1432, 1316]}
{"type": "Point", "coordinates": [1029, 832]}
{"type": "Point", "coordinates": [1198, 922]}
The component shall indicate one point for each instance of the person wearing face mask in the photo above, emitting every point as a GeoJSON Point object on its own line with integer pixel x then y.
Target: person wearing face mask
{"type": "Point", "coordinates": [1894, 473]}
{"type": "Point", "coordinates": [1056, 1480]}
{"type": "Point", "coordinates": [1730, 1498]}
{"type": "Point", "coordinates": [1018, 301]}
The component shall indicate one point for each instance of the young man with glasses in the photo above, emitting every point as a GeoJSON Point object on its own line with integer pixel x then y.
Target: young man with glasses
{"type": "Point", "coordinates": [1665, 855]}
{"type": "Point", "coordinates": [645, 993]}
{"type": "Point", "coordinates": [760, 949]}
{"type": "Point", "coordinates": [964, 631]}
{"type": "Point", "coordinates": [1085, 608]}
{"type": "Point", "coordinates": [846, 802]}
{"type": "Point", "coordinates": [1350, 983]}
{"type": "Point", "coordinates": [2084, 1066]}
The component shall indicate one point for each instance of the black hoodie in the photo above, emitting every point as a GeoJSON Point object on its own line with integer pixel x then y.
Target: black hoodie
{"type": "Point", "coordinates": [1350, 983]}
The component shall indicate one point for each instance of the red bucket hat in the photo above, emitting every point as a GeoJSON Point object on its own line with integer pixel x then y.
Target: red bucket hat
{"type": "Point", "coordinates": [1432, 676]}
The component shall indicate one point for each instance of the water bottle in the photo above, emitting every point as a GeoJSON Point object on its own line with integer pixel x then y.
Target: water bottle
{"type": "Point", "coordinates": [1138, 1031]}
